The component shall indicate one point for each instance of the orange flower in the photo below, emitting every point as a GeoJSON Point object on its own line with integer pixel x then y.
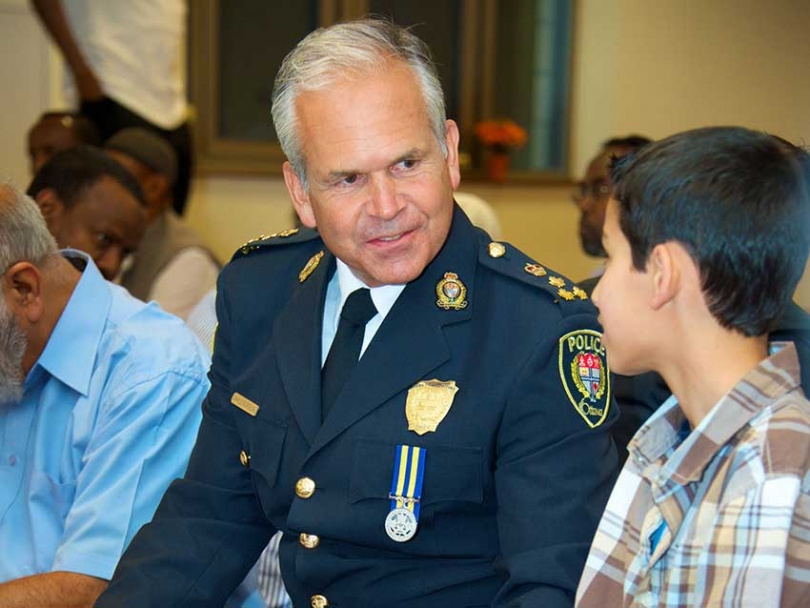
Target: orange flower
{"type": "Point", "coordinates": [500, 134]}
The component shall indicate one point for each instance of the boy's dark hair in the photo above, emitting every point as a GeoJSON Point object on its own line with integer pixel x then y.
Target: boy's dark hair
{"type": "Point", "coordinates": [738, 201]}
{"type": "Point", "coordinates": [634, 142]}
{"type": "Point", "coordinates": [70, 172]}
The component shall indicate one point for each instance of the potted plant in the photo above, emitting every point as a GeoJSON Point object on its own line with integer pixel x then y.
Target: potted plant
{"type": "Point", "coordinates": [499, 137]}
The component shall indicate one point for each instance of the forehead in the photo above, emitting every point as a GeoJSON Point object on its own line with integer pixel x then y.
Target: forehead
{"type": "Point", "coordinates": [611, 226]}
{"type": "Point", "coordinates": [52, 129]}
{"type": "Point", "coordinates": [366, 119]}
{"type": "Point", "coordinates": [108, 204]}
{"type": "Point", "coordinates": [600, 165]}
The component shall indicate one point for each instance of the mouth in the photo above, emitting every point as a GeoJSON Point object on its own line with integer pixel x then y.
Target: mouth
{"type": "Point", "coordinates": [390, 239]}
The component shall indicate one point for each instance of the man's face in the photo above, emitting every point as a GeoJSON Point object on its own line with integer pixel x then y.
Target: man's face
{"type": "Point", "coordinates": [380, 190]}
{"type": "Point", "coordinates": [591, 197]}
{"type": "Point", "coordinates": [622, 296]}
{"type": "Point", "coordinates": [107, 223]}
{"type": "Point", "coordinates": [47, 137]}
{"type": "Point", "coordinates": [12, 347]}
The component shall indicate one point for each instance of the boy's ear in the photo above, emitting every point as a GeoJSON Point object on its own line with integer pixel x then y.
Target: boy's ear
{"type": "Point", "coordinates": [663, 267]}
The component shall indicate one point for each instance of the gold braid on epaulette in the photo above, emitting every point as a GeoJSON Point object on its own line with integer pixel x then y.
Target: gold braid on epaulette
{"type": "Point", "coordinates": [252, 244]}
{"type": "Point", "coordinates": [498, 252]}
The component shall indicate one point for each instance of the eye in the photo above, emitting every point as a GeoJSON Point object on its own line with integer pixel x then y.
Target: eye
{"type": "Point", "coordinates": [406, 164]}
{"type": "Point", "coordinates": [103, 240]}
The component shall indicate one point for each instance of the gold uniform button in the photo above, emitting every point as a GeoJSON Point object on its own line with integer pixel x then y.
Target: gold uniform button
{"type": "Point", "coordinates": [304, 487]}
{"type": "Point", "coordinates": [244, 458]}
{"type": "Point", "coordinates": [318, 601]}
{"type": "Point", "coordinates": [496, 250]}
{"type": "Point", "coordinates": [309, 541]}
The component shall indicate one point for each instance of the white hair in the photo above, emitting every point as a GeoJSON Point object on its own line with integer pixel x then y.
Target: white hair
{"type": "Point", "coordinates": [346, 50]}
{"type": "Point", "coordinates": [24, 235]}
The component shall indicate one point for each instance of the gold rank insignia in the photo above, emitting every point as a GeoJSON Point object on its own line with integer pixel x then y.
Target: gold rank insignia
{"type": "Point", "coordinates": [496, 250]}
{"type": "Point", "coordinates": [247, 246]}
{"type": "Point", "coordinates": [289, 232]}
{"type": "Point", "coordinates": [580, 293]}
{"type": "Point", "coordinates": [310, 267]}
{"type": "Point", "coordinates": [451, 292]}
{"type": "Point", "coordinates": [556, 281]}
{"type": "Point", "coordinates": [565, 294]}
{"type": "Point", "coordinates": [585, 375]}
{"type": "Point", "coordinates": [428, 403]}
{"type": "Point", "coordinates": [535, 269]}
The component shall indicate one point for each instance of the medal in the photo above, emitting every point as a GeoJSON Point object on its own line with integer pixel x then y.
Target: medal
{"type": "Point", "coordinates": [400, 525]}
{"type": "Point", "coordinates": [402, 520]}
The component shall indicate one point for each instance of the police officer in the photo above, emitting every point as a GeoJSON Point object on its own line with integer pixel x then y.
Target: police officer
{"type": "Point", "coordinates": [465, 459]}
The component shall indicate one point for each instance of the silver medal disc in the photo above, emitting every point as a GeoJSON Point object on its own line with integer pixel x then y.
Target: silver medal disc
{"type": "Point", "coordinates": [400, 525]}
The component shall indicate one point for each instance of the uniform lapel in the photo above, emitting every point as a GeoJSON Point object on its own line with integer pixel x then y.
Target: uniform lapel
{"type": "Point", "coordinates": [297, 337]}
{"type": "Point", "coordinates": [411, 342]}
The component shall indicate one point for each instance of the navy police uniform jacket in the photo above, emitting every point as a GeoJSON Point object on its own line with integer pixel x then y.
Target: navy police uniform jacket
{"type": "Point", "coordinates": [516, 474]}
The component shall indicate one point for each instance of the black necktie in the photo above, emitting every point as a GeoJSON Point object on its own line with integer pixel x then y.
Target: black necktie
{"type": "Point", "coordinates": [345, 350]}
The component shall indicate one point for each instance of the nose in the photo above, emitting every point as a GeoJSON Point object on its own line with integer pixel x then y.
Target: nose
{"type": "Point", "coordinates": [109, 262]}
{"type": "Point", "coordinates": [596, 294]}
{"type": "Point", "coordinates": [384, 202]}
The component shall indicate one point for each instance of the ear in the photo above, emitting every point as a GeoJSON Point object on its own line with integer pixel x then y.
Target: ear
{"type": "Point", "coordinates": [22, 288]}
{"type": "Point", "coordinates": [155, 186]}
{"type": "Point", "coordinates": [451, 141]}
{"type": "Point", "coordinates": [51, 207]}
{"type": "Point", "coordinates": [156, 191]}
{"type": "Point", "coordinates": [299, 196]}
{"type": "Point", "coordinates": [665, 274]}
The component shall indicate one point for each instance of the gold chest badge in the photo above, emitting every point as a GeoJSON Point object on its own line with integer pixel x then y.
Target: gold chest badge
{"type": "Point", "coordinates": [428, 403]}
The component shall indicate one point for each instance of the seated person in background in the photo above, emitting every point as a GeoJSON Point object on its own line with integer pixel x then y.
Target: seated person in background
{"type": "Point", "coordinates": [592, 193]}
{"type": "Point", "coordinates": [480, 212]}
{"type": "Point", "coordinates": [706, 236]}
{"type": "Point", "coordinates": [99, 407]}
{"type": "Point", "coordinates": [91, 203]}
{"type": "Point", "coordinates": [55, 131]}
{"type": "Point", "coordinates": [172, 265]}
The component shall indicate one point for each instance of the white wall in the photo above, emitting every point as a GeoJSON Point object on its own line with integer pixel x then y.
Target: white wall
{"type": "Point", "coordinates": [25, 71]}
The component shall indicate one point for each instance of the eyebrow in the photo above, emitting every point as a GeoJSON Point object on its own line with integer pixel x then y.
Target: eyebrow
{"type": "Point", "coordinates": [342, 173]}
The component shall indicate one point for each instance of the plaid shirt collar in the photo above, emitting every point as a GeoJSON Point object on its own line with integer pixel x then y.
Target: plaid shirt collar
{"type": "Point", "coordinates": [664, 432]}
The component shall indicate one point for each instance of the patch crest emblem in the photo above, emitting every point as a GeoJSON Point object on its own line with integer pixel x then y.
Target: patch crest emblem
{"type": "Point", "coordinates": [451, 292]}
{"type": "Point", "coordinates": [585, 375]}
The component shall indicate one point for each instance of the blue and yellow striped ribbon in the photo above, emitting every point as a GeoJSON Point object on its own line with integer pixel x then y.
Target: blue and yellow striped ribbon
{"type": "Point", "coordinates": [409, 473]}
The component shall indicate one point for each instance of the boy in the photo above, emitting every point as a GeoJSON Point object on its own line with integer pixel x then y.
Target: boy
{"type": "Point", "coordinates": [707, 236]}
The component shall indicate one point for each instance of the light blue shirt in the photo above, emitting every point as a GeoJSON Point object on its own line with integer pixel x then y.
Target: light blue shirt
{"type": "Point", "coordinates": [107, 420]}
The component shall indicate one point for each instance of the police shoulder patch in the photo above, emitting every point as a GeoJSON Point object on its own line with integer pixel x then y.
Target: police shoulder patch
{"type": "Point", "coordinates": [585, 375]}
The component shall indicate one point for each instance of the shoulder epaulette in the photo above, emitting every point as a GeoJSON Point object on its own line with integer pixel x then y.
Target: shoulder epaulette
{"type": "Point", "coordinates": [507, 260]}
{"type": "Point", "coordinates": [285, 237]}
